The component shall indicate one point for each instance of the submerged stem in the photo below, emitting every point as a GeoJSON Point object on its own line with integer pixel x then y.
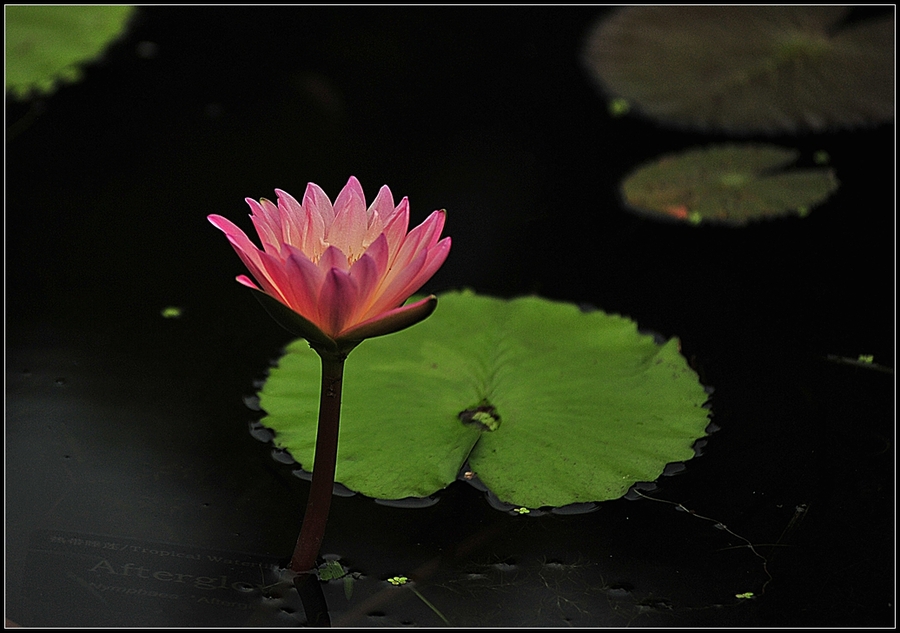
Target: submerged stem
{"type": "Point", "coordinates": [313, 530]}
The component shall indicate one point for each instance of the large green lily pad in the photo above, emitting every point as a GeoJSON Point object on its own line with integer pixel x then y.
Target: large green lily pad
{"type": "Point", "coordinates": [548, 404]}
{"type": "Point", "coordinates": [727, 184]}
{"type": "Point", "coordinates": [47, 44]}
{"type": "Point", "coordinates": [747, 69]}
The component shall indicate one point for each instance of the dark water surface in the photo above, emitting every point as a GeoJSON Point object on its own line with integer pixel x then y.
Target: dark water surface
{"type": "Point", "coordinates": [135, 493]}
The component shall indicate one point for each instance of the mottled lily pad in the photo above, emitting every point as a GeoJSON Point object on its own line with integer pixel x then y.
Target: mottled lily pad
{"type": "Point", "coordinates": [728, 184]}
{"type": "Point", "coordinates": [46, 45]}
{"type": "Point", "coordinates": [747, 69]}
{"type": "Point", "coordinates": [547, 405]}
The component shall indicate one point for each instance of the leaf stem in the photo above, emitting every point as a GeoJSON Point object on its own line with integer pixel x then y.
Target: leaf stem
{"type": "Point", "coordinates": [313, 529]}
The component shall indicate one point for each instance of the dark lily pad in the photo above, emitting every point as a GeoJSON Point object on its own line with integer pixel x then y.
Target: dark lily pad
{"type": "Point", "coordinates": [46, 45]}
{"type": "Point", "coordinates": [549, 405]}
{"type": "Point", "coordinates": [747, 69]}
{"type": "Point", "coordinates": [728, 184]}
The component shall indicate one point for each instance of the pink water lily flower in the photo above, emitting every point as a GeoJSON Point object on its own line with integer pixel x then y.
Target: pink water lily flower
{"type": "Point", "coordinates": [343, 270]}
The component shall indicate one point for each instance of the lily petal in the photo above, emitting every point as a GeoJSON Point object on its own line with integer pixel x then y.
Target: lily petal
{"type": "Point", "coordinates": [306, 282]}
{"type": "Point", "coordinates": [395, 229]}
{"type": "Point", "coordinates": [337, 301]}
{"type": "Point", "coordinates": [392, 321]}
{"type": "Point", "coordinates": [348, 230]}
{"type": "Point", "coordinates": [333, 257]}
{"type": "Point", "coordinates": [316, 201]}
{"type": "Point", "coordinates": [268, 231]}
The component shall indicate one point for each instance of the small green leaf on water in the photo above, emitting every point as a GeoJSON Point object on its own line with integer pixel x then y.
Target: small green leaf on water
{"type": "Point", "coordinates": [726, 184]}
{"type": "Point", "coordinates": [745, 596]}
{"type": "Point", "coordinates": [523, 510]}
{"type": "Point", "coordinates": [348, 587]}
{"type": "Point", "coordinates": [583, 405]}
{"type": "Point", "coordinates": [619, 107]}
{"type": "Point", "coordinates": [332, 570]}
{"type": "Point", "coordinates": [484, 417]}
{"type": "Point", "coordinates": [171, 312]}
{"type": "Point", "coordinates": [866, 361]}
{"type": "Point", "coordinates": [398, 580]}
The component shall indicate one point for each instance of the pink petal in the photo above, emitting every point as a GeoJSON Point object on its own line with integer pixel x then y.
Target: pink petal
{"type": "Point", "coordinates": [435, 258]}
{"type": "Point", "coordinates": [269, 236]}
{"type": "Point", "coordinates": [223, 224]}
{"type": "Point", "coordinates": [390, 292]}
{"type": "Point", "coordinates": [268, 239]}
{"type": "Point", "coordinates": [262, 272]}
{"type": "Point", "coordinates": [406, 283]}
{"type": "Point", "coordinates": [383, 204]}
{"type": "Point", "coordinates": [379, 212]}
{"type": "Point", "coordinates": [378, 251]}
{"type": "Point", "coordinates": [291, 216]}
{"type": "Point", "coordinates": [337, 300]}
{"type": "Point", "coordinates": [395, 229]}
{"type": "Point", "coordinates": [402, 207]}
{"type": "Point", "coordinates": [349, 227]}
{"type": "Point", "coordinates": [246, 250]}
{"type": "Point", "coordinates": [351, 191]}
{"type": "Point", "coordinates": [419, 239]}
{"type": "Point", "coordinates": [272, 219]}
{"type": "Point", "coordinates": [308, 227]}
{"type": "Point", "coordinates": [306, 281]}
{"type": "Point", "coordinates": [245, 280]}
{"type": "Point", "coordinates": [265, 222]}
{"type": "Point", "coordinates": [316, 201]}
{"type": "Point", "coordinates": [365, 273]}
{"type": "Point", "coordinates": [333, 257]}
{"type": "Point", "coordinates": [392, 321]}
{"type": "Point", "coordinates": [275, 280]}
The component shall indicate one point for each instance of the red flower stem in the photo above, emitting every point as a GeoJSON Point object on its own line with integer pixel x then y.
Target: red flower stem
{"type": "Point", "coordinates": [313, 529]}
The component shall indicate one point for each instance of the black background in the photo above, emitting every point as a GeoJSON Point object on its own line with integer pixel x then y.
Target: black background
{"type": "Point", "coordinates": [123, 423]}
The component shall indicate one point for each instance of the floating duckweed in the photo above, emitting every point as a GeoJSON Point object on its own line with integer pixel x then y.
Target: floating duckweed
{"type": "Point", "coordinates": [170, 312]}
{"type": "Point", "coordinates": [484, 417]}
{"type": "Point", "coordinates": [747, 69]}
{"type": "Point", "coordinates": [619, 107]}
{"type": "Point", "coordinates": [332, 570]}
{"type": "Point", "coordinates": [398, 580]}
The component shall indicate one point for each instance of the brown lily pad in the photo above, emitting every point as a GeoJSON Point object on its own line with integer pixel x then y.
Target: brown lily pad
{"type": "Point", "coordinates": [728, 184]}
{"type": "Point", "coordinates": [746, 69]}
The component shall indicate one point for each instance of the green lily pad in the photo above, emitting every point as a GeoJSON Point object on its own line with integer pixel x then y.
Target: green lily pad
{"type": "Point", "coordinates": [547, 404]}
{"type": "Point", "coordinates": [47, 44]}
{"type": "Point", "coordinates": [729, 184]}
{"type": "Point", "coordinates": [747, 69]}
